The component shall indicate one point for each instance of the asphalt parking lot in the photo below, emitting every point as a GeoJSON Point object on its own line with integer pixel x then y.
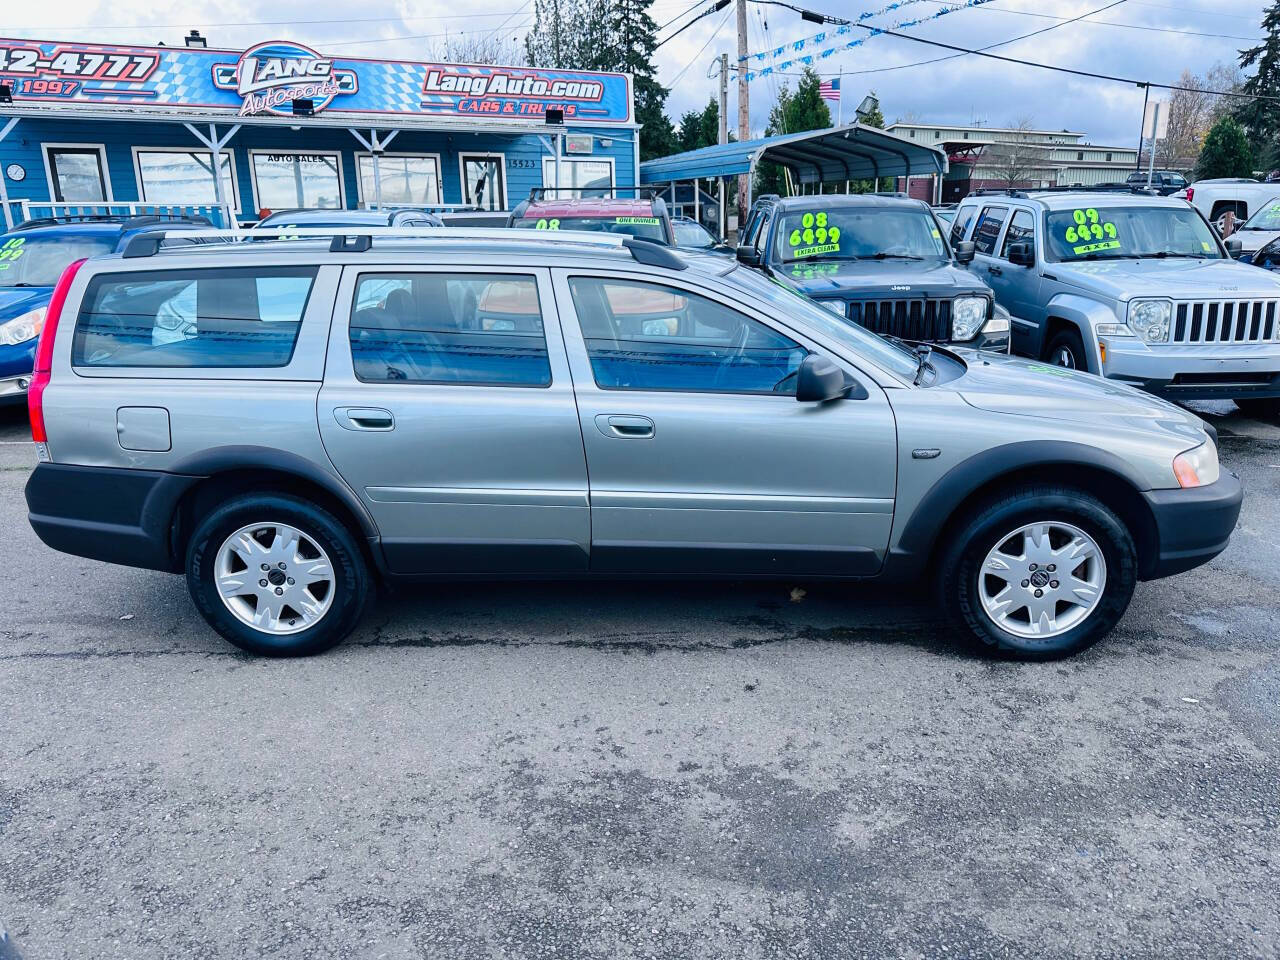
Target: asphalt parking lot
{"type": "Point", "coordinates": [638, 770]}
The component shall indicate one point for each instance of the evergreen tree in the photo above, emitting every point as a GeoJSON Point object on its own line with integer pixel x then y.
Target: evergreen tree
{"type": "Point", "coordinates": [633, 39]}
{"type": "Point", "coordinates": [690, 131]}
{"type": "Point", "coordinates": [1225, 152]}
{"type": "Point", "coordinates": [1261, 118]}
{"type": "Point", "coordinates": [711, 123]}
{"type": "Point", "coordinates": [792, 113]}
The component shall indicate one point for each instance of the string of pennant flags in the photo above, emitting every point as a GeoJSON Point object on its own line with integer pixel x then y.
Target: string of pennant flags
{"type": "Point", "coordinates": [817, 40]}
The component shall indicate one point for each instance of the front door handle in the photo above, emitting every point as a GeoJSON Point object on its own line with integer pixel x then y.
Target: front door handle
{"type": "Point", "coordinates": [625, 427]}
{"type": "Point", "coordinates": [364, 418]}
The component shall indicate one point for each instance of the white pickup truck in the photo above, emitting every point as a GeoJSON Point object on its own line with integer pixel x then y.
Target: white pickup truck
{"type": "Point", "coordinates": [1239, 195]}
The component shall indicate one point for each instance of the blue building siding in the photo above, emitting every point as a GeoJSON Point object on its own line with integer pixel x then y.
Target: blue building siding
{"type": "Point", "coordinates": [523, 154]}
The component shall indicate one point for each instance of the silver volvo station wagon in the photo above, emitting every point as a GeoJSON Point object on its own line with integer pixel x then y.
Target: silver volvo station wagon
{"type": "Point", "coordinates": [289, 422]}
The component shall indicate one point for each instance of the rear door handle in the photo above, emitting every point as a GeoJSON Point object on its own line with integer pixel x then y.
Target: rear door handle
{"type": "Point", "coordinates": [364, 418]}
{"type": "Point", "coordinates": [624, 427]}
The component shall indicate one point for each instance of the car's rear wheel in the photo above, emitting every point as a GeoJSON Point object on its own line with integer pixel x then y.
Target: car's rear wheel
{"type": "Point", "coordinates": [1265, 408]}
{"type": "Point", "coordinates": [1067, 350]}
{"type": "Point", "coordinates": [276, 575]}
{"type": "Point", "coordinates": [1040, 572]}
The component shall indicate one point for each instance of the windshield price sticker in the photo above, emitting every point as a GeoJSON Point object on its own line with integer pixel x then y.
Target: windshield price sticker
{"type": "Point", "coordinates": [545, 224]}
{"type": "Point", "coordinates": [1091, 233]}
{"type": "Point", "coordinates": [648, 221]}
{"type": "Point", "coordinates": [11, 251]}
{"type": "Point", "coordinates": [813, 237]}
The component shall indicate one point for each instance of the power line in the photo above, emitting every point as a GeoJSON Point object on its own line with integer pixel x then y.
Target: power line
{"type": "Point", "coordinates": [1111, 23]}
{"type": "Point", "coordinates": [264, 23]}
{"type": "Point", "coordinates": [981, 52]}
{"type": "Point", "coordinates": [685, 12]}
{"type": "Point", "coordinates": [719, 5]}
{"type": "Point", "coordinates": [715, 33]}
{"type": "Point", "coordinates": [475, 33]}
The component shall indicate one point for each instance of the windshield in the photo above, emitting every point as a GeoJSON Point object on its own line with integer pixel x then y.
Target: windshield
{"type": "Point", "coordinates": [647, 228]}
{"type": "Point", "coordinates": [792, 304]}
{"type": "Point", "coordinates": [692, 235]}
{"type": "Point", "coordinates": [27, 261]}
{"type": "Point", "coordinates": [1114, 233]}
{"type": "Point", "coordinates": [1268, 218]}
{"type": "Point", "coordinates": [861, 233]}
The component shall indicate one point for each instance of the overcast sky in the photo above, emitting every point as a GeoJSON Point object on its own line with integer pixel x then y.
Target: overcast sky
{"type": "Point", "coordinates": [1192, 34]}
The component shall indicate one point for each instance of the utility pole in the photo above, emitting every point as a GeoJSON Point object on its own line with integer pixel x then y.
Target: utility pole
{"type": "Point", "coordinates": [722, 137]}
{"type": "Point", "coordinates": [1155, 126]}
{"type": "Point", "coordinates": [744, 106]}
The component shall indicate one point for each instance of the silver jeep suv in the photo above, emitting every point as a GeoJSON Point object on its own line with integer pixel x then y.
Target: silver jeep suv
{"type": "Point", "coordinates": [1138, 289]}
{"type": "Point", "coordinates": [289, 422]}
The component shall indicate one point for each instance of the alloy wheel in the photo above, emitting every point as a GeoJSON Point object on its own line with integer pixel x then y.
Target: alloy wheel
{"type": "Point", "coordinates": [1042, 579]}
{"type": "Point", "coordinates": [274, 578]}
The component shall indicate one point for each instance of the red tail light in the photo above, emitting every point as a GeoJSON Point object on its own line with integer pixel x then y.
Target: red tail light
{"type": "Point", "coordinates": [1191, 194]}
{"type": "Point", "coordinates": [44, 352]}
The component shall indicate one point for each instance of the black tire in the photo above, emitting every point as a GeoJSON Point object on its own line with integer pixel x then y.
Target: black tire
{"type": "Point", "coordinates": [980, 531]}
{"type": "Point", "coordinates": [350, 573]}
{"type": "Point", "coordinates": [1264, 408]}
{"type": "Point", "coordinates": [1067, 350]}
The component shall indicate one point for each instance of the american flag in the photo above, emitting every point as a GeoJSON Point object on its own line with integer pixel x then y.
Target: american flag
{"type": "Point", "coordinates": [830, 90]}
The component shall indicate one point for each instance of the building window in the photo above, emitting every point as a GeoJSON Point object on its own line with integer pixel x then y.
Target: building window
{"type": "Point", "coordinates": [1080, 156]}
{"type": "Point", "coordinates": [406, 180]}
{"type": "Point", "coordinates": [1108, 158]}
{"type": "Point", "coordinates": [78, 174]}
{"type": "Point", "coordinates": [287, 181]}
{"type": "Point", "coordinates": [484, 181]}
{"type": "Point", "coordinates": [595, 176]}
{"type": "Point", "coordinates": [183, 177]}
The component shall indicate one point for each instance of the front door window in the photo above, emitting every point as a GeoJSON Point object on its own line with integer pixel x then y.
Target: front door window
{"type": "Point", "coordinates": [483, 181]}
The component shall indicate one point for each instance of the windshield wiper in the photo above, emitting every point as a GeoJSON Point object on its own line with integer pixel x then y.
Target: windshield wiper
{"type": "Point", "coordinates": [1164, 254]}
{"type": "Point", "coordinates": [923, 352]}
{"type": "Point", "coordinates": [887, 256]}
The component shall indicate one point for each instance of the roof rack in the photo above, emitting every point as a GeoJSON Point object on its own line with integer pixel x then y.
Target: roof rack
{"type": "Point", "coordinates": [642, 193]}
{"type": "Point", "coordinates": [360, 239]}
{"type": "Point", "coordinates": [128, 221]}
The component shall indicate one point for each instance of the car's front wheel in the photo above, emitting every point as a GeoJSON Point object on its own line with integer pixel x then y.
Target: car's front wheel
{"type": "Point", "coordinates": [1264, 408]}
{"type": "Point", "coordinates": [1067, 350]}
{"type": "Point", "coordinates": [1038, 573]}
{"type": "Point", "coordinates": [277, 575]}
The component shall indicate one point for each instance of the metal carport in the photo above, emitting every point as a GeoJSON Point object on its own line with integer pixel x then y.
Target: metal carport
{"type": "Point", "coordinates": [851, 152]}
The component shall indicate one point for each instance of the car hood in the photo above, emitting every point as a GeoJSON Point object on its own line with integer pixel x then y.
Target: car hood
{"type": "Point", "coordinates": [15, 301]}
{"type": "Point", "coordinates": [1004, 384]}
{"type": "Point", "coordinates": [876, 279]}
{"type": "Point", "coordinates": [1251, 241]}
{"type": "Point", "coordinates": [1179, 278]}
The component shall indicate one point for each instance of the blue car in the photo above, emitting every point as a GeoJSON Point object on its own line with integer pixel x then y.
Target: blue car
{"type": "Point", "coordinates": [32, 257]}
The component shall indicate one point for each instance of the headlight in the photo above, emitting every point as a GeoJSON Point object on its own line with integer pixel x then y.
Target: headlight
{"type": "Point", "coordinates": [1197, 467]}
{"type": "Point", "coordinates": [23, 328]}
{"type": "Point", "coordinates": [967, 317]}
{"type": "Point", "coordinates": [1149, 319]}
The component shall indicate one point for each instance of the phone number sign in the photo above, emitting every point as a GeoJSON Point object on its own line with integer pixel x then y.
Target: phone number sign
{"type": "Point", "coordinates": [268, 77]}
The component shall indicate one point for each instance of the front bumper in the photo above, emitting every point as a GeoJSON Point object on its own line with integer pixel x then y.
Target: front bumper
{"type": "Point", "coordinates": [1193, 526]}
{"type": "Point", "coordinates": [14, 389]}
{"type": "Point", "coordinates": [16, 362]}
{"type": "Point", "coordinates": [1195, 372]}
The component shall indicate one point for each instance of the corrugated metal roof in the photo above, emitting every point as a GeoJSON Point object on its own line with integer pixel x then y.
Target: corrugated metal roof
{"type": "Point", "coordinates": [851, 152]}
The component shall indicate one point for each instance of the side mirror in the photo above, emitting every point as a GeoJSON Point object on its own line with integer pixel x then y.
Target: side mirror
{"type": "Point", "coordinates": [965, 250]}
{"type": "Point", "coordinates": [1023, 253]}
{"type": "Point", "coordinates": [1234, 247]}
{"type": "Point", "coordinates": [820, 380]}
{"type": "Point", "coordinates": [747, 255]}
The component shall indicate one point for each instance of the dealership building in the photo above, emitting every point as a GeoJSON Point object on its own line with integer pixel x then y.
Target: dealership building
{"type": "Point", "coordinates": [284, 126]}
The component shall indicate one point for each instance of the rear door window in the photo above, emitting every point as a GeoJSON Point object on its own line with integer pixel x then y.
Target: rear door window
{"type": "Point", "coordinates": [192, 318]}
{"type": "Point", "coordinates": [987, 232]}
{"type": "Point", "coordinates": [457, 328]}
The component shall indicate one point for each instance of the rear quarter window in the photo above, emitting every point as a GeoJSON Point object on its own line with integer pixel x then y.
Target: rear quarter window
{"type": "Point", "coordinates": [192, 318]}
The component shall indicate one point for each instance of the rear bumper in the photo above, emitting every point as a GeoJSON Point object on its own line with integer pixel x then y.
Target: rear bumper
{"type": "Point", "coordinates": [1193, 526]}
{"type": "Point", "coordinates": [119, 516]}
